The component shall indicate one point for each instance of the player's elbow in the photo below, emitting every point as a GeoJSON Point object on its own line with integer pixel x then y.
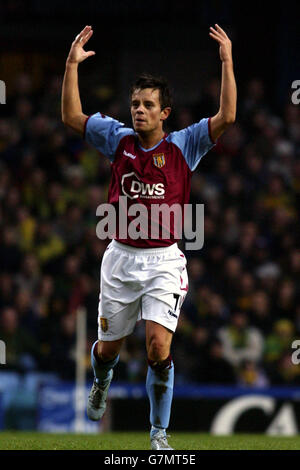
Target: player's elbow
{"type": "Point", "coordinates": [229, 119]}
{"type": "Point", "coordinates": [77, 122]}
{"type": "Point", "coordinates": [225, 119]}
{"type": "Point", "coordinates": [66, 119]}
{"type": "Point", "coordinates": [64, 116]}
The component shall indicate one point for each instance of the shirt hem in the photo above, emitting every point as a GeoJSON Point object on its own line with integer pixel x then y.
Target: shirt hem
{"type": "Point", "coordinates": [85, 124]}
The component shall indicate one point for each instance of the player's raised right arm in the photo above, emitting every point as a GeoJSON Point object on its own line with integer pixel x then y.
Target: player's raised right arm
{"type": "Point", "coordinates": [71, 109]}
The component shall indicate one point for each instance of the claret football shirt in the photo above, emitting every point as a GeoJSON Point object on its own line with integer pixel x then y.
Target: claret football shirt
{"type": "Point", "coordinates": [147, 183]}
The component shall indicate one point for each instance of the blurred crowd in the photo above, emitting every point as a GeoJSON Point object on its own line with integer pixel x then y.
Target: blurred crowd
{"type": "Point", "coordinates": [242, 313]}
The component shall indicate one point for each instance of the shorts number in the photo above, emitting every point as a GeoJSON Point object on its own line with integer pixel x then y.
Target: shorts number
{"type": "Point", "coordinates": [176, 296]}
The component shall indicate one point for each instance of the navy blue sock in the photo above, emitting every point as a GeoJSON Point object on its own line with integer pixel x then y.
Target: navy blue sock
{"type": "Point", "coordinates": [102, 369]}
{"type": "Point", "coordinates": [159, 385]}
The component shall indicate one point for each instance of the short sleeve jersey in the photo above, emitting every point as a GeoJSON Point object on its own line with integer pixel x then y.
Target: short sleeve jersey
{"type": "Point", "coordinates": [159, 176]}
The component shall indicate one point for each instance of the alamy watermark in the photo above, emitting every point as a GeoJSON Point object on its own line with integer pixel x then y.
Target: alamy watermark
{"type": "Point", "coordinates": [157, 222]}
{"type": "Point", "coordinates": [296, 94]}
{"type": "Point", "coordinates": [2, 352]}
{"type": "Point", "coordinates": [2, 92]}
{"type": "Point", "coordinates": [296, 354]}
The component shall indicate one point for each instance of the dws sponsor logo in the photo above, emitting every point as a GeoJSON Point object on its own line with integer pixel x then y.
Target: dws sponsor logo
{"type": "Point", "coordinates": [133, 188]}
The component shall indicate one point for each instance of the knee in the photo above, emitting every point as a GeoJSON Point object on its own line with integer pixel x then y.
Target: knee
{"type": "Point", "coordinates": [157, 350]}
{"type": "Point", "coordinates": [106, 353]}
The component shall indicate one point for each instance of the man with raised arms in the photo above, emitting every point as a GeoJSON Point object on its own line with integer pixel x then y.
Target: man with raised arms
{"type": "Point", "coordinates": [144, 278]}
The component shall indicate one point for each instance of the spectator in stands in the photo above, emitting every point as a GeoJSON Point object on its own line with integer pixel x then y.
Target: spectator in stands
{"type": "Point", "coordinates": [250, 374]}
{"type": "Point", "coordinates": [62, 357]}
{"type": "Point", "coordinates": [29, 276]}
{"type": "Point", "coordinates": [260, 312]}
{"type": "Point", "coordinates": [217, 369]}
{"type": "Point", "coordinates": [286, 301]}
{"type": "Point", "coordinates": [241, 341]}
{"type": "Point", "coordinates": [277, 348]}
{"type": "Point", "coordinates": [22, 348]}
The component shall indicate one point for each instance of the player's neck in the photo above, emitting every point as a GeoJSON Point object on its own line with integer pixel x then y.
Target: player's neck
{"type": "Point", "coordinates": [149, 140]}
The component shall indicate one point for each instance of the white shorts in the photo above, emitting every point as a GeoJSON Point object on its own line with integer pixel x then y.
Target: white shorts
{"type": "Point", "coordinates": [138, 283]}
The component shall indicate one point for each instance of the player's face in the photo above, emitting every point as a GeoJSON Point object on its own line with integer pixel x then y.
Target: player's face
{"type": "Point", "coordinates": [146, 112]}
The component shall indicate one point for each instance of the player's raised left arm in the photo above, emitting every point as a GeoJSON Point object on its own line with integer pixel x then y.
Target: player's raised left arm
{"type": "Point", "coordinates": [227, 112]}
{"type": "Point", "coordinates": [71, 109]}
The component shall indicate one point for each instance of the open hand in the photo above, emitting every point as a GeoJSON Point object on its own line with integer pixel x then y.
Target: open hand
{"type": "Point", "coordinates": [77, 54]}
{"type": "Point", "coordinates": [225, 44]}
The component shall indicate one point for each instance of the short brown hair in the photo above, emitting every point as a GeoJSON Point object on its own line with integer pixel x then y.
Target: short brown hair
{"type": "Point", "coordinates": [146, 80]}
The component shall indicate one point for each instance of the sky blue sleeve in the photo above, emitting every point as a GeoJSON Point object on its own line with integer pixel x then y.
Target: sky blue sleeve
{"type": "Point", "coordinates": [194, 142]}
{"type": "Point", "coordinates": [105, 133]}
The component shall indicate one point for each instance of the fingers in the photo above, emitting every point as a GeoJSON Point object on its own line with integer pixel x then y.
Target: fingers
{"type": "Point", "coordinates": [82, 35]}
{"type": "Point", "coordinates": [220, 30]}
{"type": "Point", "coordinates": [214, 32]}
{"type": "Point", "coordinates": [90, 54]}
{"type": "Point", "coordinates": [85, 38]}
{"type": "Point", "coordinates": [215, 36]}
{"type": "Point", "coordinates": [218, 33]}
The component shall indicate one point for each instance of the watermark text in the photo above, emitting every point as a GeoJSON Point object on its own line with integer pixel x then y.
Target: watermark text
{"type": "Point", "coordinates": [154, 222]}
{"type": "Point", "coordinates": [296, 354]}
{"type": "Point", "coordinates": [296, 94]}
{"type": "Point", "coordinates": [2, 352]}
{"type": "Point", "coordinates": [2, 92]}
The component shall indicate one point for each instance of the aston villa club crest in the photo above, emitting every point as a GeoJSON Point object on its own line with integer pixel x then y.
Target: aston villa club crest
{"type": "Point", "coordinates": [103, 324]}
{"type": "Point", "coordinates": [159, 160]}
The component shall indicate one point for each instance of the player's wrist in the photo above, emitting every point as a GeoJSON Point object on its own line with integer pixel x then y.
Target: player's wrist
{"type": "Point", "coordinates": [71, 63]}
{"type": "Point", "coordinates": [228, 62]}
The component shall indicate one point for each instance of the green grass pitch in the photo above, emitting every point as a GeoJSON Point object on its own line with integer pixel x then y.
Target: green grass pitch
{"type": "Point", "coordinates": [140, 441]}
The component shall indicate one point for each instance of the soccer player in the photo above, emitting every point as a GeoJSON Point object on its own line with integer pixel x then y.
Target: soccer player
{"type": "Point", "coordinates": [145, 277]}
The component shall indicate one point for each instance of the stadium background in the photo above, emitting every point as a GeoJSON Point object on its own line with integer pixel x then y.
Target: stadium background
{"type": "Point", "coordinates": [242, 312]}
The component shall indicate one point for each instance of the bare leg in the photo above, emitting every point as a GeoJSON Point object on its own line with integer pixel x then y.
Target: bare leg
{"type": "Point", "coordinates": [108, 350]}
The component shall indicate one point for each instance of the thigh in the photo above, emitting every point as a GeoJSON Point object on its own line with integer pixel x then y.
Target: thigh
{"type": "Point", "coordinates": [116, 320]}
{"type": "Point", "coordinates": [119, 300]}
{"type": "Point", "coordinates": [163, 308]}
{"type": "Point", "coordinates": [166, 290]}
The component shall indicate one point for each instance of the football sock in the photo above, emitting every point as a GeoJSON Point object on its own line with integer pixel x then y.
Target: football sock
{"type": "Point", "coordinates": [154, 430]}
{"type": "Point", "coordinates": [101, 369]}
{"type": "Point", "coordinates": [159, 386]}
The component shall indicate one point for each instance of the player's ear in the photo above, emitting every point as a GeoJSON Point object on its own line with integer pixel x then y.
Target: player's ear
{"type": "Point", "coordinates": [165, 113]}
